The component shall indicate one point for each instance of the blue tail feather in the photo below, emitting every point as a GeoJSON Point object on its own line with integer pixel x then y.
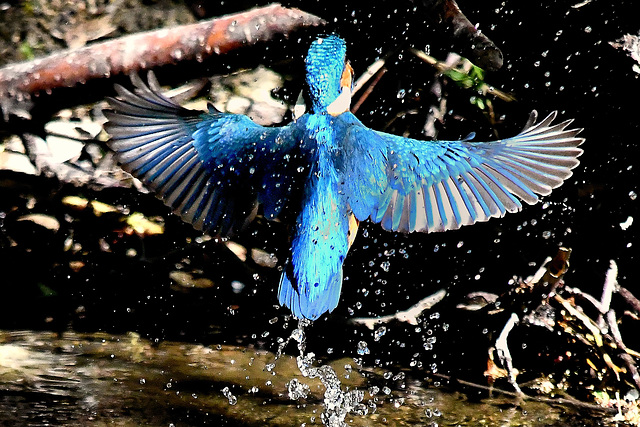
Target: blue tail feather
{"type": "Point", "coordinates": [300, 304]}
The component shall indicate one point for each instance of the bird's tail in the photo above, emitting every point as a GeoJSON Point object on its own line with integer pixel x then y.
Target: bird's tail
{"type": "Point", "coordinates": [299, 302]}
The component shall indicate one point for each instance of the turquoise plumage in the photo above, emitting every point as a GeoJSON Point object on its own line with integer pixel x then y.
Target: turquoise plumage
{"type": "Point", "coordinates": [328, 171]}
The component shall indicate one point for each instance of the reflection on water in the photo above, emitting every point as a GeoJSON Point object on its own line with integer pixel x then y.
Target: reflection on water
{"type": "Point", "coordinates": [92, 379]}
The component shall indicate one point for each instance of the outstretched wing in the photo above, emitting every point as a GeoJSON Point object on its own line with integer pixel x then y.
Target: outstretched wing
{"type": "Point", "coordinates": [409, 185]}
{"type": "Point", "coordinates": [211, 168]}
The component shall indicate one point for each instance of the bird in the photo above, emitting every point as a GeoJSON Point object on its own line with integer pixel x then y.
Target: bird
{"type": "Point", "coordinates": [325, 171]}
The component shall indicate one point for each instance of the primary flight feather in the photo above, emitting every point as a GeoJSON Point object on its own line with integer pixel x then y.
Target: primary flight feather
{"type": "Point", "coordinates": [327, 171]}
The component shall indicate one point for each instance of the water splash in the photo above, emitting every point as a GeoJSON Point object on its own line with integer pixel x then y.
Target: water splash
{"type": "Point", "coordinates": [337, 403]}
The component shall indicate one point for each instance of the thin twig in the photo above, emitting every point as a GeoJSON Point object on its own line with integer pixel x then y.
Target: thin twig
{"type": "Point", "coordinates": [410, 316]}
{"type": "Point", "coordinates": [370, 72]}
{"type": "Point", "coordinates": [368, 91]}
{"type": "Point", "coordinates": [579, 293]}
{"type": "Point", "coordinates": [503, 350]}
{"type": "Point", "coordinates": [629, 297]}
{"type": "Point", "coordinates": [610, 283]}
{"type": "Point", "coordinates": [586, 320]}
{"type": "Point", "coordinates": [624, 351]}
{"type": "Point", "coordinates": [459, 65]}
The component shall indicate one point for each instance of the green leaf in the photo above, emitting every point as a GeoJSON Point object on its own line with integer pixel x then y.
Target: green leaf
{"type": "Point", "coordinates": [46, 291]}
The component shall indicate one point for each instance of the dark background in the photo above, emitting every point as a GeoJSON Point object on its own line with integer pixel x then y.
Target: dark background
{"type": "Point", "coordinates": [555, 58]}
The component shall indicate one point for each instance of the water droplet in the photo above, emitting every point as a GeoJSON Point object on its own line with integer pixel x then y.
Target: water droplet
{"type": "Point", "coordinates": [297, 335]}
{"type": "Point", "coordinates": [380, 332]}
{"type": "Point", "coordinates": [237, 286]}
{"type": "Point", "coordinates": [227, 393]}
{"type": "Point", "coordinates": [362, 348]}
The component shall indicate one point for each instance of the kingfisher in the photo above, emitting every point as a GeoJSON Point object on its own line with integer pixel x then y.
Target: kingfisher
{"type": "Point", "coordinates": [325, 171]}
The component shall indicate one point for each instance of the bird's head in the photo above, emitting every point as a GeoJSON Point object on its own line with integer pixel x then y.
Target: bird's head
{"type": "Point", "coordinates": [329, 76]}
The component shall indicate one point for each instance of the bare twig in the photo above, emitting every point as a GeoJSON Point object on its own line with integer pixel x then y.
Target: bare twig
{"type": "Point", "coordinates": [480, 47]}
{"type": "Point", "coordinates": [436, 112]}
{"type": "Point", "coordinates": [457, 67]}
{"type": "Point", "coordinates": [631, 44]}
{"type": "Point", "coordinates": [503, 351]}
{"type": "Point", "coordinates": [19, 82]}
{"type": "Point", "coordinates": [609, 287]}
{"type": "Point", "coordinates": [462, 27]}
{"type": "Point", "coordinates": [593, 300]}
{"type": "Point", "coordinates": [630, 298]}
{"type": "Point", "coordinates": [579, 5]}
{"type": "Point", "coordinates": [610, 283]}
{"type": "Point", "coordinates": [539, 274]}
{"type": "Point", "coordinates": [625, 352]}
{"type": "Point", "coordinates": [370, 72]}
{"type": "Point", "coordinates": [369, 89]}
{"type": "Point", "coordinates": [410, 316]}
{"type": "Point", "coordinates": [586, 320]}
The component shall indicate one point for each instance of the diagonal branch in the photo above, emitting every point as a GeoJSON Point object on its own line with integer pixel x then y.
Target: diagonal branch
{"type": "Point", "coordinates": [19, 82]}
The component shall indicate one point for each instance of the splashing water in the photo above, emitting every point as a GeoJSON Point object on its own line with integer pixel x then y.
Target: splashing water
{"type": "Point", "coordinates": [297, 389]}
{"type": "Point", "coordinates": [337, 403]}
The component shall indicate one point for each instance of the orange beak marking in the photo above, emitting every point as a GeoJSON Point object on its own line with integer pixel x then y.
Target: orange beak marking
{"type": "Point", "coordinates": [347, 76]}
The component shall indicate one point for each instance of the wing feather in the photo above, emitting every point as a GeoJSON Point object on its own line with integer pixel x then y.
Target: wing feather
{"type": "Point", "coordinates": [211, 168]}
{"type": "Point", "coordinates": [443, 185]}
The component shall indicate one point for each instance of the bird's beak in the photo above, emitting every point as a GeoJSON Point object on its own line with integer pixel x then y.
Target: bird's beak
{"type": "Point", "coordinates": [342, 103]}
{"type": "Point", "coordinates": [347, 76]}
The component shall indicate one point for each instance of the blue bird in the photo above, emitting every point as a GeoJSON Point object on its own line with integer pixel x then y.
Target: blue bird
{"type": "Point", "coordinates": [326, 171]}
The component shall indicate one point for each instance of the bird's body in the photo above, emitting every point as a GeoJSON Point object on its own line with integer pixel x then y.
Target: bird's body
{"type": "Point", "coordinates": [319, 242]}
{"type": "Point", "coordinates": [328, 171]}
